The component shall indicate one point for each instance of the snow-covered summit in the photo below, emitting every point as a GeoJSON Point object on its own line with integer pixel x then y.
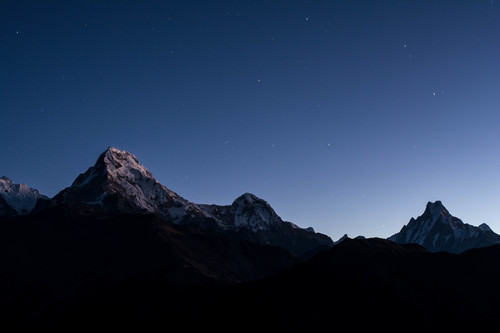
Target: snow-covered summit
{"type": "Point", "coordinates": [248, 198]}
{"type": "Point", "coordinates": [254, 213]}
{"type": "Point", "coordinates": [437, 230]}
{"type": "Point", "coordinates": [116, 164]}
{"type": "Point", "coordinates": [20, 197]}
{"type": "Point", "coordinates": [118, 180]}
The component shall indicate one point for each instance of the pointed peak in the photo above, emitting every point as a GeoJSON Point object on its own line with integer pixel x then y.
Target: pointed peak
{"type": "Point", "coordinates": [341, 239]}
{"type": "Point", "coordinates": [434, 204]}
{"type": "Point", "coordinates": [113, 158]}
{"type": "Point", "coordinates": [248, 197]}
{"type": "Point", "coordinates": [113, 150]}
{"type": "Point", "coordinates": [113, 153]}
{"type": "Point", "coordinates": [436, 208]}
{"type": "Point", "coordinates": [484, 227]}
{"type": "Point", "coordinates": [20, 197]}
{"type": "Point", "coordinates": [114, 164]}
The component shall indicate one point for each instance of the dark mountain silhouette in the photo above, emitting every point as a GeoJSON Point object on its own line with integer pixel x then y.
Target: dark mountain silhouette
{"type": "Point", "coordinates": [55, 262]}
{"type": "Point", "coordinates": [367, 284]}
{"type": "Point", "coordinates": [359, 283]}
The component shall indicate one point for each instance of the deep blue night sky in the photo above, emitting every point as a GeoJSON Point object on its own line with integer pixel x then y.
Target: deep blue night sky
{"type": "Point", "coordinates": [347, 116]}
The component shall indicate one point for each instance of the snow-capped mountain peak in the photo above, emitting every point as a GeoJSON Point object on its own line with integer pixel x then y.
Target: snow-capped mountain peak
{"type": "Point", "coordinates": [116, 164]}
{"type": "Point", "coordinates": [254, 213]}
{"type": "Point", "coordinates": [20, 197]}
{"type": "Point", "coordinates": [248, 198]}
{"type": "Point", "coordinates": [120, 182]}
{"type": "Point", "coordinates": [438, 230]}
{"type": "Point", "coordinates": [124, 164]}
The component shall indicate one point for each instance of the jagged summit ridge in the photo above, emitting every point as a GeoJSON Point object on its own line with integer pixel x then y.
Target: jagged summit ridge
{"type": "Point", "coordinates": [436, 208]}
{"type": "Point", "coordinates": [437, 230]}
{"type": "Point", "coordinates": [119, 181]}
{"type": "Point", "coordinates": [19, 197]}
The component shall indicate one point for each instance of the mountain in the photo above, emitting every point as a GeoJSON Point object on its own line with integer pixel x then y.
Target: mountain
{"type": "Point", "coordinates": [252, 218]}
{"type": "Point", "coordinates": [6, 209]}
{"type": "Point", "coordinates": [17, 198]}
{"type": "Point", "coordinates": [119, 183]}
{"type": "Point", "coordinates": [366, 284]}
{"type": "Point", "coordinates": [437, 230]}
{"type": "Point", "coordinates": [120, 250]}
{"type": "Point", "coordinates": [57, 264]}
{"type": "Point", "coordinates": [343, 238]}
{"type": "Point", "coordinates": [361, 283]}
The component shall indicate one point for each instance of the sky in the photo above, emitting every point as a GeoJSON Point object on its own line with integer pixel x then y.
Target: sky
{"type": "Point", "coordinates": [347, 116]}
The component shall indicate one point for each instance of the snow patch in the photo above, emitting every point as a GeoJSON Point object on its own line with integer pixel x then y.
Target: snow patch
{"type": "Point", "coordinates": [19, 196]}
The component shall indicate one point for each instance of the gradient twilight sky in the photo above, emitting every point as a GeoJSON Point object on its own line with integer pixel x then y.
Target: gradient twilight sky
{"type": "Point", "coordinates": [347, 116]}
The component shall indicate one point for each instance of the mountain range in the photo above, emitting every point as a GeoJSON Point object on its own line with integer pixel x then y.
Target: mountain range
{"type": "Point", "coordinates": [119, 249]}
{"type": "Point", "coordinates": [368, 284]}
{"type": "Point", "coordinates": [437, 230]}
{"type": "Point", "coordinates": [17, 198]}
{"type": "Point", "coordinates": [119, 183]}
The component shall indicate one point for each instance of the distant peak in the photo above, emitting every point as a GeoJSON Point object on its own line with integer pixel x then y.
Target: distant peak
{"type": "Point", "coordinates": [341, 239]}
{"type": "Point", "coordinates": [436, 208]}
{"type": "Point", "coordinates": [20, 197]}
{"type": "Point", "coordinates": [436, 203]}
{"type": "Point", "coordinates": [248, 198]}
{"type": "Point", "coordinates": [484, 227]}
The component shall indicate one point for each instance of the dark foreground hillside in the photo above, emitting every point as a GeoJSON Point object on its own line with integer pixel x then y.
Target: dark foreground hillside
{"type": "Point", "coordinates": [373, 283]}
{"type": "Point", "coordinates": [58, 268]}
{"type": "Point", "coordinates": [127, 271]}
